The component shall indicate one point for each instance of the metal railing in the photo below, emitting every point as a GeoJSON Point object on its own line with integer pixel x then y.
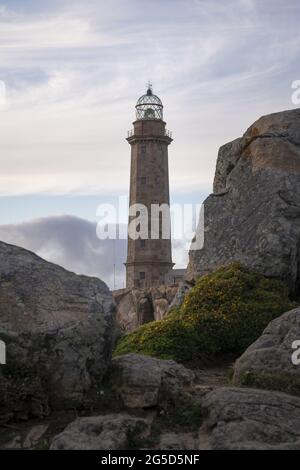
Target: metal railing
{"type": "Point", "coordinates": [168, 133]}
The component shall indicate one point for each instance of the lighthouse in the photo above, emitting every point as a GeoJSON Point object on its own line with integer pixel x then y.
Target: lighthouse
{"type": "Point", "coordinates": [149, 259]}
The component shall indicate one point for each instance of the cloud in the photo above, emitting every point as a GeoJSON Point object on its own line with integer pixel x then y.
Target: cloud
{"type": "Point", "coordinates": [73, 71]}
{"type": "Point", "coordinates": [72, 243]}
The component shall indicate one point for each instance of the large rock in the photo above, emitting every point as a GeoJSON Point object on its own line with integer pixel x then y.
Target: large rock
{"type": "Point", "coordinates": [253, 215]}
{"type": "Point", "coordinates": [144, 382]}
{"type": "Point", "coordinates": [59, 332]}
{"type": "Point", "coordinates": [109, 432]}
{"type": "Point", "coordinates": [267, 363]}
{"type": "Point", "coordinates": [135, 307]}
{"type": "Point", "coordinates": [240, 419]}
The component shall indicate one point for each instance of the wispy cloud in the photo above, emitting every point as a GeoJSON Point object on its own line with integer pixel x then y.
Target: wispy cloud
{"type": "Point", "coordinates": [73, 71]}
{"type": "Point", "coordinates": [72, 243]}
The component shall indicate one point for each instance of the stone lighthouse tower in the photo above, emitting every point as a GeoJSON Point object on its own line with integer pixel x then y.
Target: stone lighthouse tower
{"type": "Point", "coordinates": [149, 259]}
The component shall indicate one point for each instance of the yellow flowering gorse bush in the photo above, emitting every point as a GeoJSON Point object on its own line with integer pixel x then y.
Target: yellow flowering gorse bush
{"type": "Point", "coordinates": [223, 313]}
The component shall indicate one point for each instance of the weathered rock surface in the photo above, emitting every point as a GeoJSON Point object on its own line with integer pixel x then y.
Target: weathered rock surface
{"type": "Point", "coordinates": [34, 436]}
{"type": "Point", "coordinates": [143, 382]}
{"type": "Point", "coordinates": [109, 432]}
{"type": "Point", "coordinates": [138, 306]}
{"type": "Point", "coordinates": [59, 333]}
{"type": "Point", "coordinates": [181, 292]}
{"type": "Point", "coordinates": [267, 363]}
{"type": "Point", "coordinates": [253, 215]}
{"type": "Point", "coordinates": [240, 419]}
{"type": "Point", "coordinates": [232, 419]}
{"type": "Point", "coordinates": [173, 441]}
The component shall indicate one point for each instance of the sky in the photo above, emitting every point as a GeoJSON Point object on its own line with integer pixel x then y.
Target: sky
{"type": "Point", "coordinates": [70, 75]}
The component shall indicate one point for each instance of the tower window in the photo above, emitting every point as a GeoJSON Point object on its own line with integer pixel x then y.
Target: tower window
{"type": "Point", "coordinates": [142, 276]}
{"type": "Point", "coordinates": [143, 179]}
{"type": "Point", "coordinates": [142, 243]}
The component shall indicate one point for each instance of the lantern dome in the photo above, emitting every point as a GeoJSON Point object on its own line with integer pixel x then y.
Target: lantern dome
{"type": "Point", "coordinates": [149, 106]}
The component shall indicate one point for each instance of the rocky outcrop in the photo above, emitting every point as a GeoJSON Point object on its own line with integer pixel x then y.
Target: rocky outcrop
{"type": "Point", "coordinates": [253, 215]}
{"type": "Point", "coordinates": [135, 307]}
{"type": "Point", "coordinates": [59, 333]}
{"type": "Point", "coordinates": [144, 382]}
{"type": "Point", "coordinates": [242, 419]}
{"type": "Point", "coordinates": [109, 432]}
{"type": "Point", "coordinates": [268, 363]}
{"type": "Point", "coordinates": [230, 419]}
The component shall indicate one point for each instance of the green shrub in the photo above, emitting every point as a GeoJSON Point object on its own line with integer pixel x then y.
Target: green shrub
{"type": "Point", "coordinates": [224, 312]}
